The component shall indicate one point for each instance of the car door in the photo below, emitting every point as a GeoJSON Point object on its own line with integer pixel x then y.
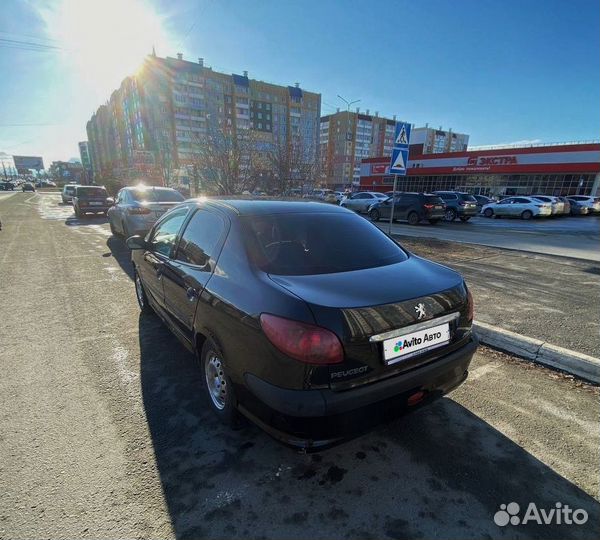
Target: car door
{"type": "Point", "coordinates": [502, 208]}
{"type": "Point", "coordinates": [185, 276]}
{"type": "Point", "coordinates": [161, 242]}
{"type": "Point", "coordinates": [355, 201]}
{"type": "Point", "coordinates": [518, 206]}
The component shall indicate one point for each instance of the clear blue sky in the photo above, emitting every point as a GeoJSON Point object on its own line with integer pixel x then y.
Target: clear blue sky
{"type": "Point", "coordinates": [500, 71]}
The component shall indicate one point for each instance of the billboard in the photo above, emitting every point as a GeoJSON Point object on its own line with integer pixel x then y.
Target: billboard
{"type": "Point", "coordinates": [24, 163]}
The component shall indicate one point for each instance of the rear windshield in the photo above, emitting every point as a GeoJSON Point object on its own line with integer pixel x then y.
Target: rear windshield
{"type": "Point", "coordinates": [433, 199]}
{"type": "Point", "coordinates": [69, 189]}
{"type": "Point", "coordinates": [156, 195]}
{"type": "Point", "coordinates": [464, 197]}
{"type": "Point", "coordinates": [91, 192]}
{"type": "Point", "coordinates": [304, 244]}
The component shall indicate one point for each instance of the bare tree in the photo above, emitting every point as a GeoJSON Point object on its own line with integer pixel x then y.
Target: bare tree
{"type": "Point", "coordinates": [224, 161]}
{"type": "Point", "coordinates": [292, 164]}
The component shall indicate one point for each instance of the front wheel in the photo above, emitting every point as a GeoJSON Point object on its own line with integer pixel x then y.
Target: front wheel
{"type": "Point", "coordinates": [413, 218]}
{"type": "Point", "coordinates": [374, 215]}
{"type": "Point", "coordinates": [464, 219]}
{"type": "Point", "coordinates": [527, 214]}
{"type": "Point", "coordinates": [450, 214]}
{"type": "Point", "coordinates": [488, 213]}
{"type": "Point", "coordinates": [218, 385]}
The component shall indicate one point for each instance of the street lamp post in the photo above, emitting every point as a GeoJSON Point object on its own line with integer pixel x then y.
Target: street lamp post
{"type": "Point", "coordinates": [348, 103]}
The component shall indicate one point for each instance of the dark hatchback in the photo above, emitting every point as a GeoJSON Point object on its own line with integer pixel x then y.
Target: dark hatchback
{"type": "Point", "coordinates": [305, 317]}
{"type": "Point", "coordinates": [411, 207]}
{"type": "Point", "coordinates": [91, 200]}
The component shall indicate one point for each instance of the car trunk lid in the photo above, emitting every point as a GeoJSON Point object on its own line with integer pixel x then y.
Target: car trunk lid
{"type": "Point", "coordinates": [370, 310]}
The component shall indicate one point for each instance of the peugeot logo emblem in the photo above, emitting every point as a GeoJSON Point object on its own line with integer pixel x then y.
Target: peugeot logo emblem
{"type": "Point", "coordinates": [420, 309]}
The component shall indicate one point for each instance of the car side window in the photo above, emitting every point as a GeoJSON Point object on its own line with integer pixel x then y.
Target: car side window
{"type": "Point", "coordinates": [368, 196]}
{"type": "Point", "coordinates": [165, 234]}
{"type": "Point", "coordinates": [200, 238]}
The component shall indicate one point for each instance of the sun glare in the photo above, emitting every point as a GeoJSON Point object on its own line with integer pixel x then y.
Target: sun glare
{"type": "Point", "coordinates": [106, 40]}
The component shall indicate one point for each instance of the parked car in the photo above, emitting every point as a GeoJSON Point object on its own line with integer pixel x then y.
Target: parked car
{"type": "Point", "coordinates": [523, 207]}
{"type": "Point", "coordinates": [45, 183]}
{"type": "Point", "coordinates": [136, 209]}
{"type": "Point", "coordinates": [593, 203]}
{"type": "Point", "coordinates": [558, 207]}
{"type": "Point", "coordinates": [305, 318]}
{"type": "Point", "coordinates": [578, 209]}
{"type": "Point", "coordinates": [412, 207]}
{"type": "Point", "coordinates": [458, 205]}
{"type": "Point", "coordinates": [362, 200]}
{"type": "Point", "coordinates": [566, 205]}
{"type": "Point", "coordinates": [91, 200]}
{"type": "Point", "coordinates": [482, 200]}
{"type": "Point", "coordinates": [67, 193]}
{"type": "Point", "coordinates": [331, 198]}
{"type": "Point", "coordinates": [28, 186]}
{"type": "Point", "coordinates": [7, 186]}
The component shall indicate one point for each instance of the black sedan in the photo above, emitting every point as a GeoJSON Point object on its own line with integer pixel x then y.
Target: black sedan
{"type": "Point", "coordinates": [305, 317]}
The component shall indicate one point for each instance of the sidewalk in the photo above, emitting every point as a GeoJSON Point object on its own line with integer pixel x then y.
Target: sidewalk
{"type": "Point", "coordinates": [552, 299]}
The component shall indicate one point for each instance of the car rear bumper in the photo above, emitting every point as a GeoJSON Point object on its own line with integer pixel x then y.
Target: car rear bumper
{"type": "Point", "coordinates": [467, 211]}
{"type": "Point", "coordinates": [93, 209]}
{"type": "Point", "coordinates": [317, 418]}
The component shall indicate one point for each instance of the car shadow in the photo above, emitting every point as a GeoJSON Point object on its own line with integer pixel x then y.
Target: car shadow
{"type": "Point", "coordinates": [89, 219]}
{"type": "Point", "coordinates": [439, 472]}
{"type": "Point", "coordinates": [121, 253]}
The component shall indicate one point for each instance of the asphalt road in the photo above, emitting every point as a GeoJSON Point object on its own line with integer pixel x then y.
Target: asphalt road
{"type": "Point", "coordinates": [104, 432]}
{"type": "Point", "coordinates": [577, 237]}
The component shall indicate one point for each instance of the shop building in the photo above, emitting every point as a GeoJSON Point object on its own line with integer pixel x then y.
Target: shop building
{"type": "Point", "coordinates": [557, 169]}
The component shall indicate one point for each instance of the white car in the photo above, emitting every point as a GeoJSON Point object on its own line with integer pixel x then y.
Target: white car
{"type": "Point", "coordinates": [558, 206]}
{"type": "Point", "coordinates": [520, 207]}
{"type": "Point", "coordinates": [593, 203]}
{"type": "Point", "coordinates": [361, 201]}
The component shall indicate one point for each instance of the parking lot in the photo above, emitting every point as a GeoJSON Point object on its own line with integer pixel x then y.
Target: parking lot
{"type": "Point", "coordinates": [577, 236]}
{"type": "Point", "coordinates": [106, 432]}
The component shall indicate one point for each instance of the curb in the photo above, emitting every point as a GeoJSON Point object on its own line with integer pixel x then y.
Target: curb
{"type": "Point", "coordinates": [575, 363]}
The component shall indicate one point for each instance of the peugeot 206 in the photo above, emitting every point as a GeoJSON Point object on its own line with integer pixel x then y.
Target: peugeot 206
{"type": "Point", "coordinates": [305, 317]}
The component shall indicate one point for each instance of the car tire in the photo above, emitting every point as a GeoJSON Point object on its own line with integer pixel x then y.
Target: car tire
{"type": "Point", "coordinates": [450, 215]}
{"type": "Point", "coordinates": [434, 221]}
{"type": "Point", "coordinates": [140, 293]}
{"type": "Point", "coordinates": [488, 213]}
{"type": "Point", "coordinates": [217, 384]}
{"type": "Point", "coordinates": [526, 214]}
{"type": "Point", "coordinates": [413, 218]}
{"type": "Point", "coordinates": [464, 219]}
{"type": "Point", "coordinates": [374, 215]}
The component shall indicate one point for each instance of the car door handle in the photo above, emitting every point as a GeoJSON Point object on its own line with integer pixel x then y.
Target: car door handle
{"type": "Point", "coordinates": [191, 293]}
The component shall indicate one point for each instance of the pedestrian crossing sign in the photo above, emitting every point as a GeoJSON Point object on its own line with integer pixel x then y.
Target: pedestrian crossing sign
{"type": "Point", "coordinates": [399, 161]}
{"type": "Point", "coordinates": [402, 134]}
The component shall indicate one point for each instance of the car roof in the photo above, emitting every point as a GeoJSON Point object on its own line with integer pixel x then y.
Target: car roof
{"type": "Point", "coordinates": [242, 207]}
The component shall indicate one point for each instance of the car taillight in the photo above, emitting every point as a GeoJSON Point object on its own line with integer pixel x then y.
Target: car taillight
{"type": "Point", "coordinates": [470, 306]}
{"type": "Point", "coordinates": [138, 210]}
{"type": "Point", "coordinates": [428, 206]}
{"type": "Point", "coordinates": [304, 342]}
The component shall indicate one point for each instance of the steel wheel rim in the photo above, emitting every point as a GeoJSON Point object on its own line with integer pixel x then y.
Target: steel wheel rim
{"type": "Point", "coordinates": [139, 291]}
{"type": "Point", "coordinates": [216, 381]}
{"type": "Point", "coordinates": [449, 215]}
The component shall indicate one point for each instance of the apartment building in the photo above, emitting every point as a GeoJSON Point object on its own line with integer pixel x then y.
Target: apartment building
{"type": "Point", "coordinates": [159, 119]}
{"type": "Point", "coordinates": [426, 140]}
{"type": "Point", "coordinates": [347, 137]}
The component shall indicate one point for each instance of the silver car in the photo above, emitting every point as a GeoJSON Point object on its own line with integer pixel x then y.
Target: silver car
{"type": "Point", "coordinates": [520, 207]}
{"type": "Point", "coordinates": [68, 192]}
{"type": "Point", "coordinates": [361, 201]}
{"type": "Point", "coordinates": [137, 208]}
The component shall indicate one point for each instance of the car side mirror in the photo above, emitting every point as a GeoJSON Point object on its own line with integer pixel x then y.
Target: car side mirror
{"type": "Point", "coordinates": [110, 201]}
{"type": "Point", "coordinates": [136, 242]}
